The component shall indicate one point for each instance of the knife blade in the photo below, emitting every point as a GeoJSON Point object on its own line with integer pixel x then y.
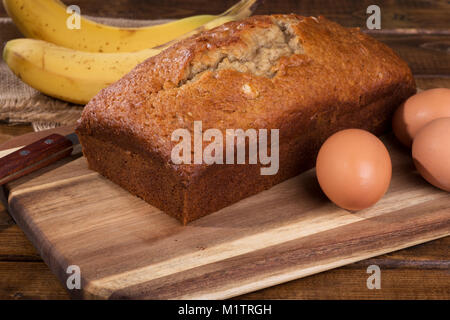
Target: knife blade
{"type": "Point", "coordinates": [37, 155]}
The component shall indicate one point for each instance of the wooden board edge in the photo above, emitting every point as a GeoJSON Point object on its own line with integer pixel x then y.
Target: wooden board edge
{"type": "Point", "coordinates": [98, 292]}
{"type": "Point", "coordinates": [45, 250]}
{"type": "Point", "coordinates": [91, 292]}
{"type": "Point", "coordinates": [276, 280]}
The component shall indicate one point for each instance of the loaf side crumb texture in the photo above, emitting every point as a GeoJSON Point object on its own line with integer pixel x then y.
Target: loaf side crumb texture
{"type": "Point", "coordinates": [288, 72]}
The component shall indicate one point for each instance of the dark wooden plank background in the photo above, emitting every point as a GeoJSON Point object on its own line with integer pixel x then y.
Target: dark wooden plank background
{"type": "Point", "coordinates": [418, 30]}
{"type": "Point", "coordinates": [416, 14]}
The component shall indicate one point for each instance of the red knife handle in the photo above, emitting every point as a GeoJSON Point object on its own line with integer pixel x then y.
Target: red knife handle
{"type": "Point", "coordinates": [33, 157]}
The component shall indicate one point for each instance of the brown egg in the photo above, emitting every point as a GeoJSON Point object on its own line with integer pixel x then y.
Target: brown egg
{"type": "Point", "coordinates": [418, 110]}
{"type": "Point", "coordinates": [354, 169]}
{"type": "Point", "coordinates": [431, 153]}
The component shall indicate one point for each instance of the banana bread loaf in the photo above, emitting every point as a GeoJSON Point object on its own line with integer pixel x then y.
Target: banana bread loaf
{"type": "Point", "coordinates": [306, 76]}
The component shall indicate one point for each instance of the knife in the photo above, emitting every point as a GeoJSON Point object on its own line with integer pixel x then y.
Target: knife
{"type": "Point", "coordinates": [37, 155]}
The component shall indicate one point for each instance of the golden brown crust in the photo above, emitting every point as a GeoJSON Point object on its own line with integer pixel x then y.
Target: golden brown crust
{"type": "Point", "coordinates": [287, 72]}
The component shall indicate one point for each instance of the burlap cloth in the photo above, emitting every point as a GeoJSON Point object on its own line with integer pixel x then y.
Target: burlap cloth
{"type": "Point", "coordinates": [19, 103]}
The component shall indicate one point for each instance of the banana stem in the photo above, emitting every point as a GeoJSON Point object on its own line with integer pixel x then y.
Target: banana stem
{"type": "Point", "coordinates": [240, 10]}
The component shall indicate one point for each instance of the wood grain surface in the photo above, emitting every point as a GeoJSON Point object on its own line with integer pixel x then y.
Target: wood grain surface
{"type": "Point", "coordinates": [128, 249]}
{"type": "Point", "coordinates": [417, 30]}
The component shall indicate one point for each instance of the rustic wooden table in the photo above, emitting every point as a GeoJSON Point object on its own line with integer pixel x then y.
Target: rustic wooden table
{"type": "Point", "coordinates": [417, 30]}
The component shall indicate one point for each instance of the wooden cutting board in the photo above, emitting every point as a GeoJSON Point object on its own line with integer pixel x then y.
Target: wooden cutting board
{"type": "Point", "coordinates": [126, 248]}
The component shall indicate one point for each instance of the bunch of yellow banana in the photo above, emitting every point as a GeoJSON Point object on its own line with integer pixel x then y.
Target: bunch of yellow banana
{"type": "Point", "coordinates": [74, 64]}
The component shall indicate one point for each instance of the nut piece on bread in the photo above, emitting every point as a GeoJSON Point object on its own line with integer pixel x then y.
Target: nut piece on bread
{"type": "Point", "coordinates": [306, 76]}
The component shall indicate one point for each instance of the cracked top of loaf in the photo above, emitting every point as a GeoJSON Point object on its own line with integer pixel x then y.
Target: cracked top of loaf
{"type": "Point", "coordinates": [262, 72]}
